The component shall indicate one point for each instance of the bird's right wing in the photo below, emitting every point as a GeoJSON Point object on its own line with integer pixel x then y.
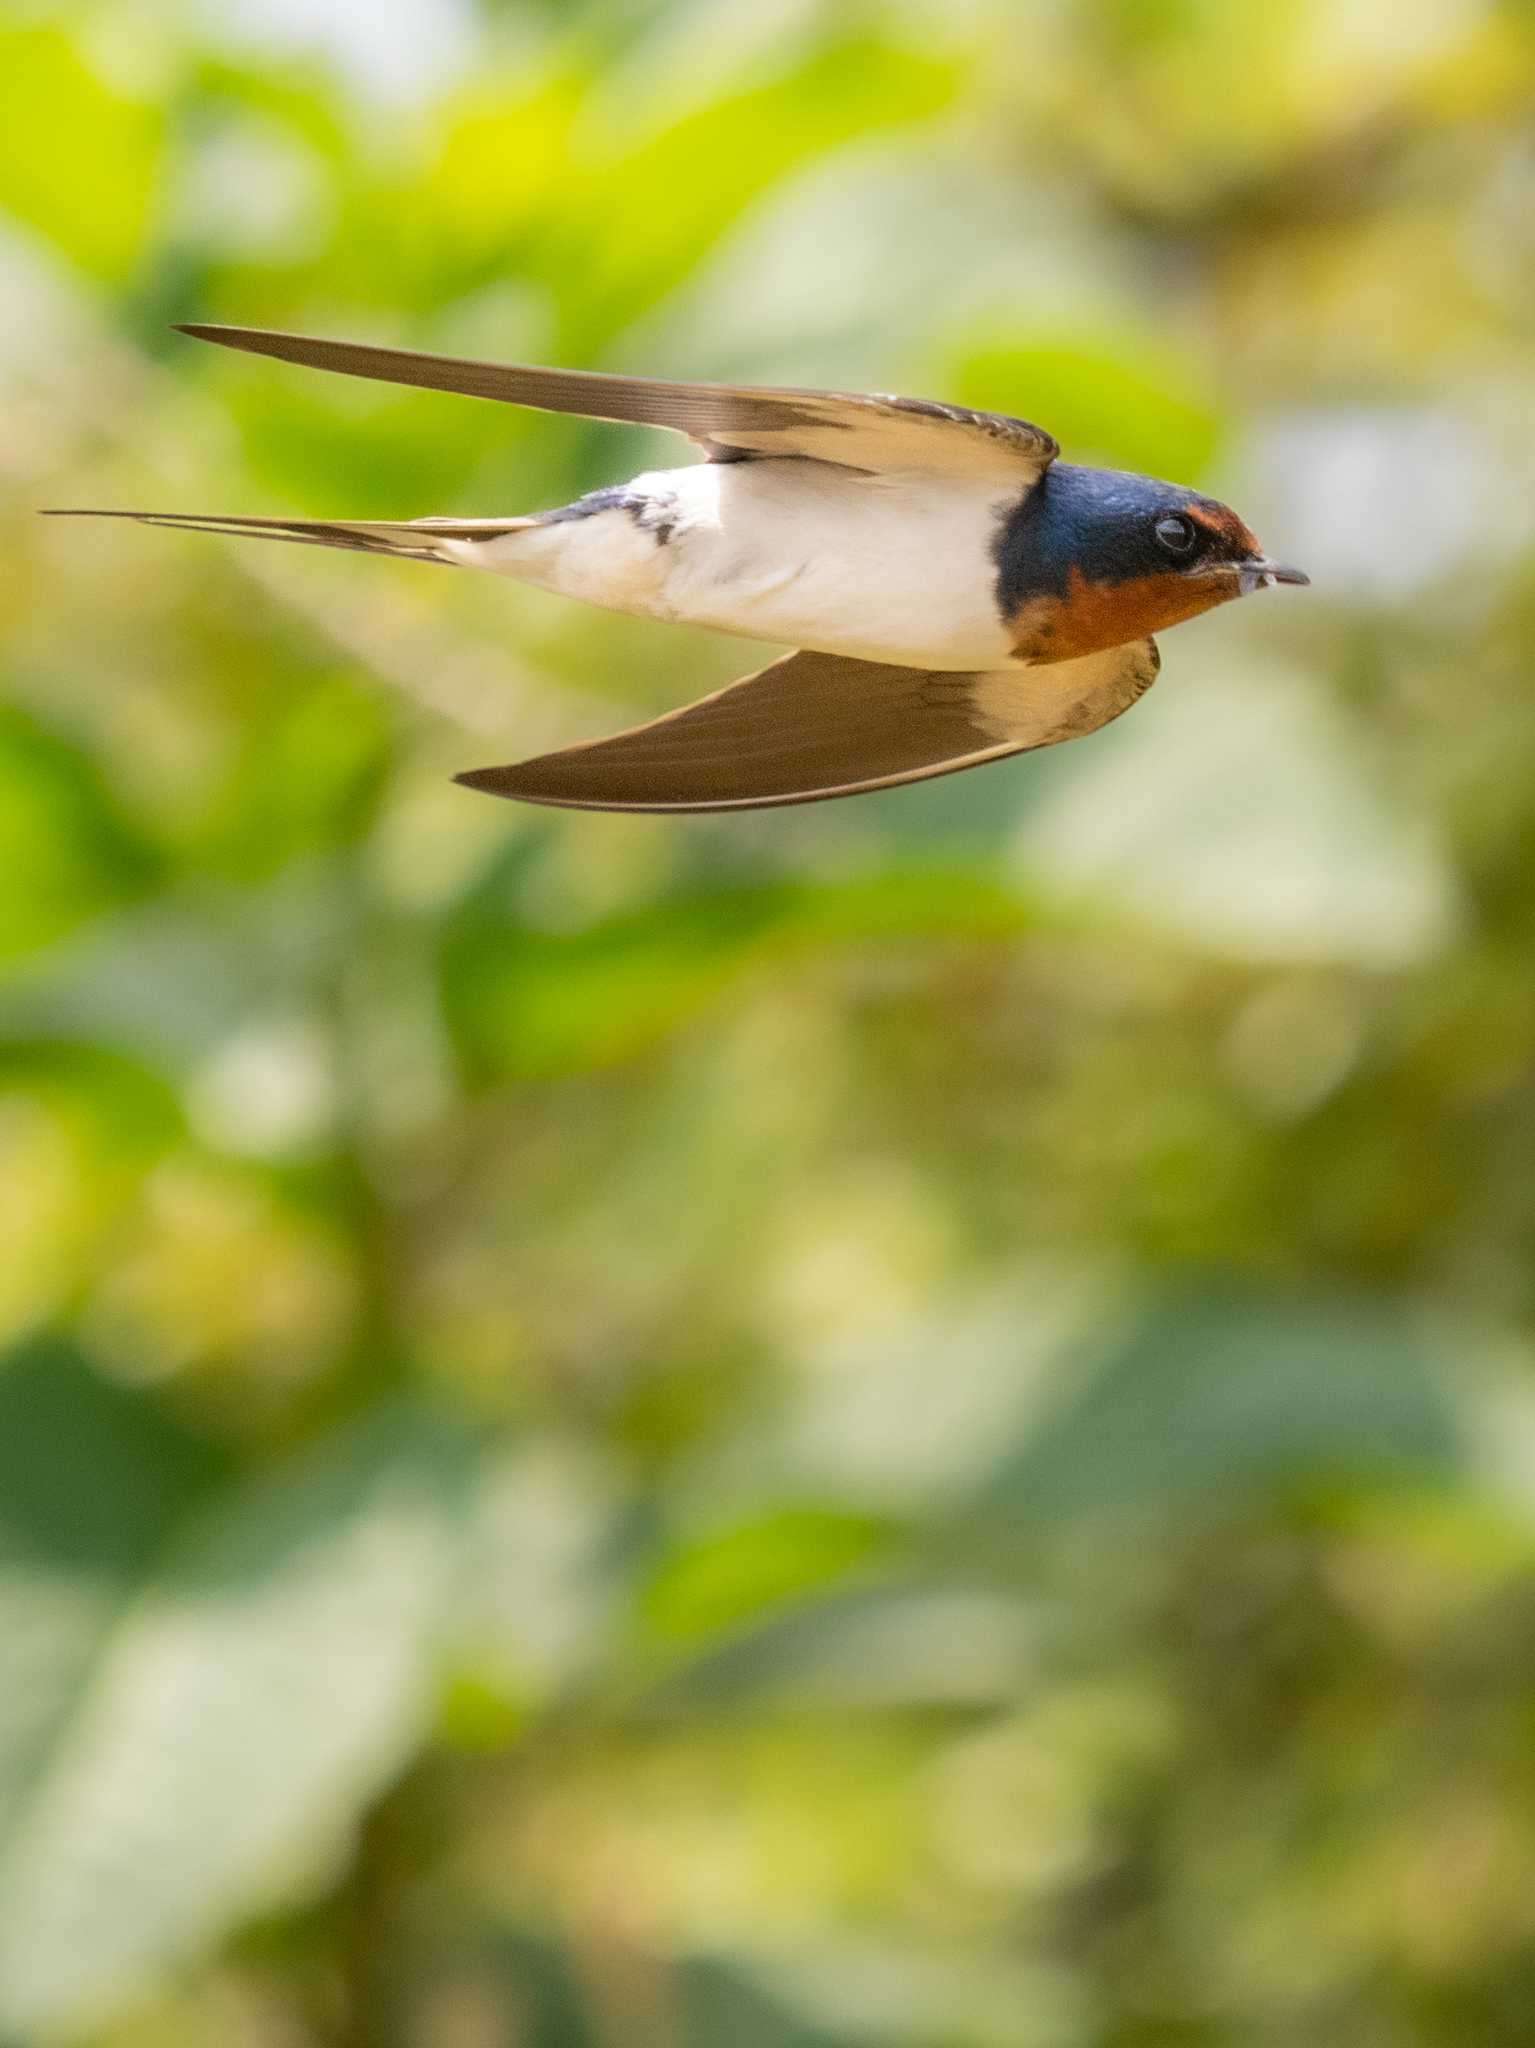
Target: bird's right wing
{"type": "Point", "coordinates": [730, 422]}
{"type": "Point", "coordinates": [820, 725]}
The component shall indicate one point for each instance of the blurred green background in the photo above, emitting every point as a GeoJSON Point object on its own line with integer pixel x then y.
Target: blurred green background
{"type": "Point", "coordinates": [911, 1423]}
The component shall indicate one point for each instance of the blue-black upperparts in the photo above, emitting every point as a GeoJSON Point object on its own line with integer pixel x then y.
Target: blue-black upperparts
{"type": "Point", "coordinates": [1102, 525]}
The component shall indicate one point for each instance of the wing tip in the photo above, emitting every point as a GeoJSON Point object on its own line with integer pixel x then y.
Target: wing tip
{"type": "Point", "coordinates": [254, 340]}
{"type": "Point", "coordinates": [508, 781]}
{"type": "Point", "coordinates": [500, 782]}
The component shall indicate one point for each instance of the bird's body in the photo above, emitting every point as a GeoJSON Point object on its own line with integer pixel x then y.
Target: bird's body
{"type": "Point", "coordinates": [956, 593]}
{"type": "Point", "coordinates": [897, 568]}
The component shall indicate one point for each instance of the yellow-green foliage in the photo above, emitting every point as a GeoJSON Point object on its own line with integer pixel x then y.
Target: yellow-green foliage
{"type": "Point", "coordinates": [909, 1425]}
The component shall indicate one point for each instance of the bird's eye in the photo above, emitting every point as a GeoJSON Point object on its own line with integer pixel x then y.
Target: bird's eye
{"type": "Point", "coordinates": [1176, 534]}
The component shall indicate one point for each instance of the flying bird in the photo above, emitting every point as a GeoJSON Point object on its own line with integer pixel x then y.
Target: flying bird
{"type": "Point", "coordinates": [956, 592]}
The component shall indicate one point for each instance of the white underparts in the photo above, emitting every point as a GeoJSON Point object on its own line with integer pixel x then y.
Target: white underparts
{"type": "Point", "coordinates": [886, 568]}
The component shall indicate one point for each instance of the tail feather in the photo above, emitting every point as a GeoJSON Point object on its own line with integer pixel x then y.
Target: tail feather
{"type": "Point", "coordinates": [413, 539]}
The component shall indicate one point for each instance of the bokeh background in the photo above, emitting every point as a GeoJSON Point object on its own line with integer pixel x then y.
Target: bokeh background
{"type": "Point", "coordinates": [904, 1426]}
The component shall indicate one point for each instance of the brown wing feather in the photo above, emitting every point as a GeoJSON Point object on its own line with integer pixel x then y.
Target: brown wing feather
{"type": "Point", "coordinates": [856, 430]}
{"type": "Point", "coordinates": [814, 726]}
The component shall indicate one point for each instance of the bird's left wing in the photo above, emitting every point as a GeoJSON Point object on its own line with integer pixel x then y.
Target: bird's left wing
{"type": "Point", "coordinates": [730, 422]}
{"type": "Point", "coordinates": [819, 725]}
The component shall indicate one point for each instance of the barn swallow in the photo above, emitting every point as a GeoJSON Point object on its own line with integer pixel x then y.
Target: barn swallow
{"type": "Point", "coordinates": [956, 592]}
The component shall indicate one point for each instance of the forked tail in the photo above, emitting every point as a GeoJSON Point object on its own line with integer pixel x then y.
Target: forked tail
{"type": "Point", "coordinates": [419, 540]}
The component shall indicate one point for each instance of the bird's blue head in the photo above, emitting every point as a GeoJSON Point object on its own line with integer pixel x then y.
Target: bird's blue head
{"type": "Point", "coordinates": [1096, 558]}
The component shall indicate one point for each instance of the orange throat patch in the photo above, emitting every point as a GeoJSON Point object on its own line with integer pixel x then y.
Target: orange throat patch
{"type": "Point", "coordinates": [1093, 616]}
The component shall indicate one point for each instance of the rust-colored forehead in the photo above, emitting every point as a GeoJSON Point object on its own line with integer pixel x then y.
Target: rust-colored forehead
{"type": "Point", "coordinates": [1225, 525]}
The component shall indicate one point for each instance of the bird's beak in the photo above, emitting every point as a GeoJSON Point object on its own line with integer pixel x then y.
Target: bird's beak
{"type": "Point", "coordinates": [1259, 573]}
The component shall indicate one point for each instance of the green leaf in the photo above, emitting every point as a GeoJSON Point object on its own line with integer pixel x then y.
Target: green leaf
{"type": "Point", "coordinates": [263, 1666]}
{"type": "Point", "coordinates": [724, 2001]}
{"type": "Point", "coordinates": [721, 2000]}
{"type": "Point", "coordinates": [66, 852]}
{"type": "Point", "coordinates": [711, 1584]}
{"type": "Point", "coordinates": [79, 159]}
{"type": "Point", "coordinates": [1220, 1397]}
{"type": "Point", "coordinates": [1127, 403]}
{"type": "Point", "coordinates": [171, 980]}
{"type": "Point", "coordinates": [537, 1981]}
{"type": "Point", "coordinates": [306, 779]}
{"type": "Point", "coordinates": [545, 1003]}
{"type": "Point", "coordinates": [92, 1485]}
{"type": "Point", "coordinates": [660, 216]}
{"type": "Point", "coordinates": [865, 1649]}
